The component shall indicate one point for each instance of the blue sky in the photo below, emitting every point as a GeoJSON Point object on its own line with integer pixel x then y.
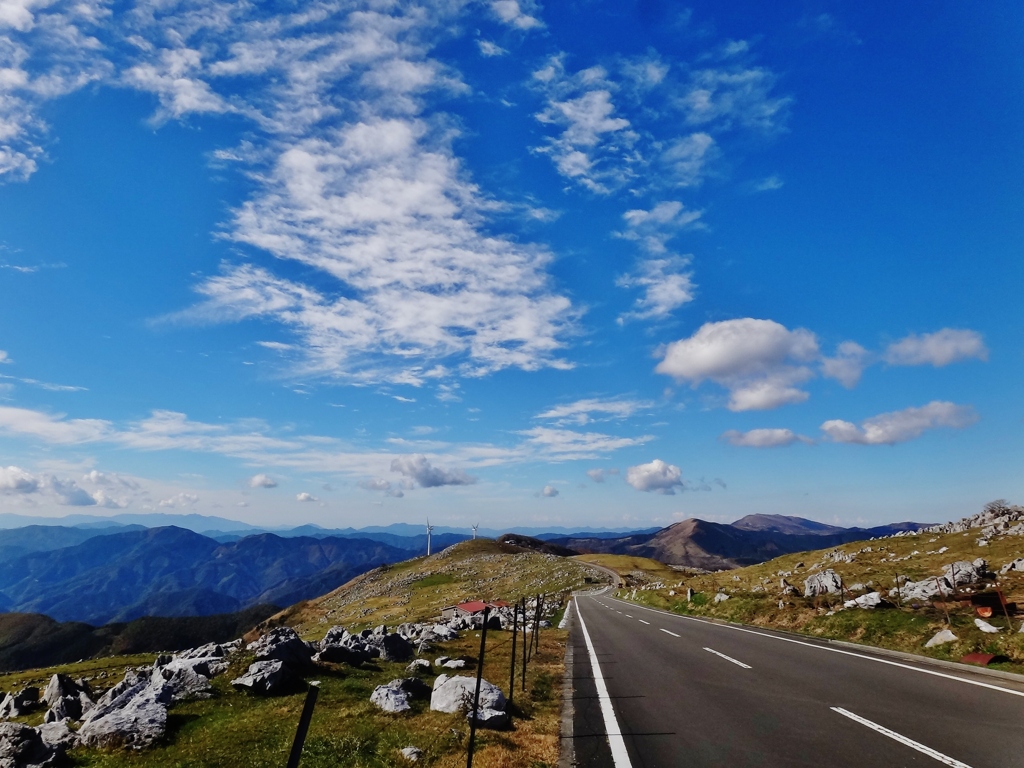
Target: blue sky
{"type": "Point", "coordinates": [510, 262]}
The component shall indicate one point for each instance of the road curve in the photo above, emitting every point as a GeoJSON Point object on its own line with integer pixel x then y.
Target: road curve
{"type": "Point", "coordinates": [658, 689]}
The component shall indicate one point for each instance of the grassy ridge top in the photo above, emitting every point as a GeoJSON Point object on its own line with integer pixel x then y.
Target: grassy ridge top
{"type": "Point", "coordinates": [417, 590]}
{"type": "Point", "coordinates": [644, 568]}
{"type": "Point", "coordinates": [755, 592]}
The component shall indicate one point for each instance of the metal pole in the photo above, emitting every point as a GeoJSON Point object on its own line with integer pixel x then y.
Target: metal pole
{"type": "Point", "coordinates": [307, 715]}
{"type": "Point", "coordinates": [476, 695]}
{"type": "Point", "coordinates": [524, 645]}
{"type": "Point", "coordinates": [512, 674]}
{"type": "Point", "coordinates": [943, 598]}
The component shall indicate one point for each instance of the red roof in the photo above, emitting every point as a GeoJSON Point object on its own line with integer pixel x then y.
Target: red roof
{"type": "Point", "coordinates": [473, 606]}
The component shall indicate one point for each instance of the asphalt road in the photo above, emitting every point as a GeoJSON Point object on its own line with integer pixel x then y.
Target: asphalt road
{"type": "Point", "coordinates": [656, 689]}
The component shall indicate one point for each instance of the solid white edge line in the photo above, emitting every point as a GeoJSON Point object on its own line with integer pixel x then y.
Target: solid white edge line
{"type": "Point", "coordinates": [668, 632]}
{"type": "Point", "coordinates": [945, 759]}
{"type": "Point", "coordinates": [611, 726]}
{"type": "Point", "coordinates": [840, 650]}
{"type": "Point", "coordinates": [728, 658]}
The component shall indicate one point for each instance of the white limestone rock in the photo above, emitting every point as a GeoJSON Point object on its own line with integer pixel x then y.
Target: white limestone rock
{"type": "Point", "coordinates": [941, 637]}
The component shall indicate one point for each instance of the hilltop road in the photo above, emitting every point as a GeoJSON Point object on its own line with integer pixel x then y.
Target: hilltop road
{"type": "Point", "coordinates": [657, 689]}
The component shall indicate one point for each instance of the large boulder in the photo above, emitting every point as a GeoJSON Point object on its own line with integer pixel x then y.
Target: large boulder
{"type": "Point", "coordinates": [186, 679]}
{"type": "Point", "coordinates": [489, 718]}
{"type": "Point", "coordinates": [394, 696]}
{"type": "Point", "coordinates": [66, 698]}
{"type": "Point", "coordinates": [24, 747]}
{"type": "Point", "coordinates": [20, 703]}
{"type": "Point", "coordinates": [283, 644]}
{"type": "Point", "coordinates": [941, 637]}
{"type": "Point", "coordinates": [267, 678]}
{"type": "Point", "coordinates": [964, 572]}
{"type": "Point", "coordinates": [135, 717]}
{"type": "Point", "coordinates": [341, 654]}
{"type": "Point", "coordinates": [1013, 565]}
{"type": "Point", "coordinates": [455, 694]}
{"type": "Point", "coordinates": [868, 601]}
{"type": "Point", "coordinates": [58, 734]}
{"type": "Point", "coordinates": [392, 647]}
{"type": "Point", "coordinates": [824, 583]}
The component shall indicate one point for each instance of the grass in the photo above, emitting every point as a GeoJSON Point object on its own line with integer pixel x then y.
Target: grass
{"type": "Point", "coordinates": [236, 729]}
{"type": "Point", "coordinates": [637, 570]}
{"type": "Point", "coordinates": [755, 593]}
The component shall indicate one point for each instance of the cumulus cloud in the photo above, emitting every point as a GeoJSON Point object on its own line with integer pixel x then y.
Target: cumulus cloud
{"type": "Point", "coordinates": [949, 345]}
{"type": "Point", "coordinates": [180, 500]}
{"type": "Point", "coordinates": [847, 365]}
{"type": "Point", "coordinates": [419, 469]}
{"type": "Point", "coordinates": [901, 426]}
{"type": "Point", "coordinates": [593, 409]}
{"type": "Point", "coordinates": [657, 476]}
{"type": "Point", "coordinates": [760, 362]}
{"type": "Point", "coordinates": [763, 438]}
{"type": "Point", "coordinates": [16, 480]}
{"type": "Point", "coordinates": [304, 496]}
{"type": "Point", "coordinates": [262, 481]}
{"type": "Point", "coordinates": [521, 15]}
{"type": "Point", "coordinates": [549, 491]}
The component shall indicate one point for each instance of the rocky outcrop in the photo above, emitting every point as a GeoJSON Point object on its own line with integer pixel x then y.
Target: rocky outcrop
{"type": "Point", "coordinates": [395, 696]}
{"type": "Point", "coordinates": [20, 703]}
{"type": "Point", "coordinates": [283, 644]}
{"type": "Point", "coordinates": [869, 601]}
{"type": "Point", "coordinates": [66, 699]}
{"type": "Point", "coordinates": [267, 678]}
{"type": "Point", "coordinates": [24, 747]}
{"type": "Point", "coordinates": [133, 715]}
{"type": "Point", "coordinates": [455, 694]}
{"type": "Point", "coordinates": [827, 582]}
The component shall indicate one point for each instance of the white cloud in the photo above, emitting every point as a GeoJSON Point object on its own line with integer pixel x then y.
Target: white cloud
{"type": "Point", "coordinates": [654, 228]}
{"type": "Point", "coordinates": [174, 76]}
{"type": "Point", "coordinates": [180, 500]}
{"type": "Point", "coordinates": [419, 469]}
{"type": "Point", "coordinates": [901, 426]}
{"type": "Point", "coordinates": [21, 422]}
{"type": "Point", "coordinates": [657, 476]}
{"type": "Point", "coordinates": [304, 496]}
{"type": "Point", "coordinates": [688, 157]}
{"type": "Point", "coordinates": [760, 362]}
{"type": "Point", "coordinates": [847, 365]}
{"type": "Point", "coordinates": [599, 475]}
{"type": "Point", "coordinates": [569, 445]}
{"type": "Point", "coordinates": [512, 12]}
{"type": "Point", "coordinates": [763, 438]}
{"type": "Point", "coordinates": [4, 358]}
{"type": "Point", "coordinates": [583, 411]}
{"type": "Point", "coordinates": [17, 480]}
{"type": "Point", "coordinates": [768, 184]}
{"type": "Point", "coordinates": [489, 49]}
{"type": "Point", "coordinates": [728, 98]}
{"type": "Point", "coordinates": [262, 481]}
{"type": "Point", "coordinates": [549, 491]}
{"type": "Point", "coordinates": [594, 146]}
{"type": "Point", "coordinates": [949, 345]}
{"type": "Point", "coordinates": [667, 283]}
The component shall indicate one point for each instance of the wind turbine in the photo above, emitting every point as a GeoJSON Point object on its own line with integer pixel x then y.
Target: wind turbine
{"type": "Point", "coordinates": [474, 530]}
{"type": "Point", "coordinates": [429, 529]}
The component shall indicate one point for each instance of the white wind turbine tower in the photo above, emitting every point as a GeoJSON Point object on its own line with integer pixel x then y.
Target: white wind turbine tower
{"type": "Point", "coordinates": [474, 530]}
{"type": "Point", "coordinates": [430, 528]}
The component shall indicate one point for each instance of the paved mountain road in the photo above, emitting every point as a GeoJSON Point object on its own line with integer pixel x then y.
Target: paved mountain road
{"type": "Point", "coordinates": [683, 692]}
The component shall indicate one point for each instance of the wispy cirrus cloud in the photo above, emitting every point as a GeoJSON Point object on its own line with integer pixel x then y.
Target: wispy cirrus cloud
{"type": "Point", "coordinates": [585, 411]}
{"type": "Point", "coordinates": [764, 438]}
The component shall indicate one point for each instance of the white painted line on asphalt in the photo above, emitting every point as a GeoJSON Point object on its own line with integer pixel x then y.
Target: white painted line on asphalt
{"type": "Point", "coordinates": [627, 616]}
{"type": "Point", "coordinates": [668, 633]}
{"type": "Point", "coordinates": [611, 726]}
{"type": "Point", "coordinates": [644, 622]}
{"type": "Point", "coordinates": [840, 651]}
{"type": "Point", "coordinates": [944, 759]}
{"type": "Point", "coordinates": [727, 658]}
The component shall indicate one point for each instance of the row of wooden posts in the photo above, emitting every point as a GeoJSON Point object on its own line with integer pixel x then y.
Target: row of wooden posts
{"type": "Point", "coordinates": [529, 646]}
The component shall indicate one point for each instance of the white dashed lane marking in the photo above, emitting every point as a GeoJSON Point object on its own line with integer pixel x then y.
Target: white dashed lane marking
{"type": "Point", "coordinates": [668, 633]}
{"type": "Point", "coordinates": [944, 759]}
{"type": "Point", "coordinates": [727, 658]}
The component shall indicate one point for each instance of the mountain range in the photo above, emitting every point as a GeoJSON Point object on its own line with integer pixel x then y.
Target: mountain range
{"type": "Point", "coordinates": [718, 546]}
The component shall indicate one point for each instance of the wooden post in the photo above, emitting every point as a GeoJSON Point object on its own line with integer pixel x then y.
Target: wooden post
{"type": "Point", "coordinates": [536, 627]}
{"type": "Point", "coordinates": [524, 645]}
{"type": "Point", "coordinates": [307, 715]}
{"type": "Point", "coordinates": [476, 695]}
{"type": "Point", "coordinates": [512, 674]}
{"type": "Point", "coordinates": [899, 594]}
{"type": "Point", "coordinates": [943, 597]}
